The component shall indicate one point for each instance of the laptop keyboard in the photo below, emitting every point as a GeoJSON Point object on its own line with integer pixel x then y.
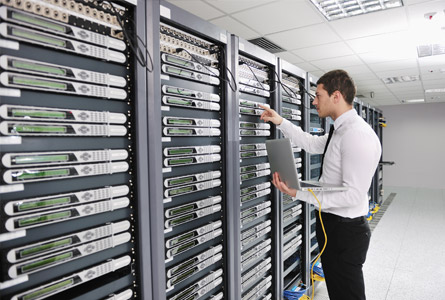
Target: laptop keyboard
{"type": "Point", "coordinates": [304, 184]}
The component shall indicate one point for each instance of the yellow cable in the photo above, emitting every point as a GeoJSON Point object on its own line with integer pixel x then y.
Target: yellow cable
{"type": "Point", "coordinates": [324, 246]}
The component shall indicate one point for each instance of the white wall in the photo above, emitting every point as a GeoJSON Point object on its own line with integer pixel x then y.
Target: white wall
{"type": "Point", "coordinates": [415, 140]}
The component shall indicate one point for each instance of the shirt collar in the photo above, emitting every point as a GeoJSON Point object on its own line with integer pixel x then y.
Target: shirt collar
{"type": "Point", "coordinates": [343, 117]}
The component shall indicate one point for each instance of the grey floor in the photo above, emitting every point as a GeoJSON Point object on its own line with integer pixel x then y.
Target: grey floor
{"type": "Point", "coordinates": [406, 258]}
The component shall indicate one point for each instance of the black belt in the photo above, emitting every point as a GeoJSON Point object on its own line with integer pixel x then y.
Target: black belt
{"type": "Point", "coordinates": [342, 219]}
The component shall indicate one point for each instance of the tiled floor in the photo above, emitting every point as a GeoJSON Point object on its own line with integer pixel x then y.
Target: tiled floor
{"type": "Point", "coordinates": [406, 258]}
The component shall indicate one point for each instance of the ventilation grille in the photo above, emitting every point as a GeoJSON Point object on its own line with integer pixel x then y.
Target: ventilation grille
{"type": "Point", "coordinates": [430, 50]}
{"type": "Point", "coordinates": [266, 44]}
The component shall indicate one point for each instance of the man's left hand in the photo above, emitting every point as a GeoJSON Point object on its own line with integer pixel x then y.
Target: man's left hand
{"type": "Point", "coordinates": [276, 180]}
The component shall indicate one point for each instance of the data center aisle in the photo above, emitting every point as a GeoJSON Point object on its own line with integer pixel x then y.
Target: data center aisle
{"type": "Point", "coordinates": [406, 258]}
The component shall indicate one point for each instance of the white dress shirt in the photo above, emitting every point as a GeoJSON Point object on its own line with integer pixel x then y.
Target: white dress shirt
{"type": "Point", "coordinates": [350, 160]}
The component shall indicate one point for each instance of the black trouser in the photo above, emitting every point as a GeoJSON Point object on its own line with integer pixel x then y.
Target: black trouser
{"type": "Point", "coordinates": [345, 253]}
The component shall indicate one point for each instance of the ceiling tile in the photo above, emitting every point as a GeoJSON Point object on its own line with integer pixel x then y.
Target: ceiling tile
{"type": "Point", "coordinates": [382, 42]}
{"type": "Point", "coordinates": [432, 61]}
{"type": "Point", "coordinates": [198, 8]}
{"type": "Point", "coordinates": [324, 51]}
{"type": "Point", "coordinates": [371, 24]}
{"type": "Point", "coordinates": [358, 70]}
{"type": "Point", "coordinates": [337, 62]}
{"type": "Point", "coordinates": [318, 73]}
{"type": "Point", "coordinates": [279, 16]}
{"type": "Point", "coordinates": [394, 73]}
{"type": "Point", "coordinates": [389, 55]}
{"type": "Point", "coordinates": [394, 65]}
{"type": "Point", "coordinates": [434, 84]}
{"type": "Point", "coordinates": [235, 27]}
{"type": "Point", "coordinates": [307, 67]}
{"type": "Point", "coordinates": [304, 37]}
{"type": "Point", "coordinates": [432, 75]}
{"type": "Point", "coordinates": [231, 6]}
{"type": "Point", "coordinates": [289, 57]}
{"type": "Point", "coordinates": [368, 82]}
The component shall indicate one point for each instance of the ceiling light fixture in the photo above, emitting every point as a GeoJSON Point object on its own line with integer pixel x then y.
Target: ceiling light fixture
{"type": "Point", "coordinates": [430, 50]}
{"type": "Point", "coordinates": [435, 91]}
{"type": "Point", "coordinates": [400, 79]}
{"type": "Point", "coordinates": [338, 9]}
{"type": "Point", "coordinates": [413, 101]}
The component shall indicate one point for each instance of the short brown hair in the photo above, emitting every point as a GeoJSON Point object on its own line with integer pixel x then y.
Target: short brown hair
{"type": "Point", "coordinates": [339, 80]}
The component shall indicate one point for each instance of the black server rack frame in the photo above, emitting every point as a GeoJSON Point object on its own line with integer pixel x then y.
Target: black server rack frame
{"type": "Point", "coordinates": [291, 98]}
{"type": "Point", "coordinates": [178, 250]}
{"type": "Point", "coordinates": [253, 61]}
{"type": "Point", "coordinates": [62, 95]}
{"type": "Point", "coordinates": [313, 162]}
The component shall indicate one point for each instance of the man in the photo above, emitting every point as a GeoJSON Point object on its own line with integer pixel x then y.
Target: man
{"type": "Point", "coordinates": [350, 159]}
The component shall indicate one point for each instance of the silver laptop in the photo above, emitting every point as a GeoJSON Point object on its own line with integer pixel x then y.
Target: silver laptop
{"type": "Point", "coordinates": [281, 160]}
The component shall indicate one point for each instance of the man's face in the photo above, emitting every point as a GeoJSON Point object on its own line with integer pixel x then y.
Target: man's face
{"type": "Point", "coordinates": [322, 101]}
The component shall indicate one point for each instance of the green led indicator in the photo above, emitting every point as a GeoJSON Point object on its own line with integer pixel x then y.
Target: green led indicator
{"type": "Point", "coordinates": [49, 114]}
{"type": "Point", "coordinates": [39, 83]}
{"type": "Point", "coordinates": [181, 180]}
{"type": "Point", "coordinates": [179, 91]}
{"type": "Point", "coordinates": [286, 116]}
{"type": "Point", "coordinates": [43, 218]}
{"type": "Point", "coordinates": [248, 212]}
{"type": "Point", "coordinates": [181, 210]}
{"type": "Point", "coordinates": [183, 276]}
{"type": "Point", "coordinates": [43, 203]}
{"type": "Point", "coordinates": [45, 262]}
{"type": "Point", "coordinates": [247, 125]}
{"type": "Point", "coordinates": [247, 132]}
{"type": "Point", "coordinates": [179, 122]}
{"type": "Point", "coordinates": [248, 176]}
{"type": "Point", "coordinates": [38, 22]}
{"type": "Point", "coordinates": [185, 247]}
{"type": "Point", "coordinates": [286, 110]}
{"type": "Point", "coordinates": [246, 103]}
{"type": "Point", "coordinates": [39, 129]}
{"type": "Point", "coordinates": [247, 154]}
{"type": "Point", "coordinates": [180, 131]}
{"type": "Point", "coordinates": [180, 239]}
{"type": "Point", "coordinates": [26, 174]}
{"type": "Point", "coordinates": [29, 66]}
{"type": "Point", "coordinates": [180, 191]}
{"type": "Point", "coordinates": [181, 161]}
{"type": "Point", "coordinates": [181, 220]}
{"type": "Point", "coordinates": [247, 110]}
{"type": "Point", "coordinates": [180, 101]}
{"type": "Point", "coordinates": [38, 37]}
{"type": "Point", "coordinates": [180, 151]}
{"type": "Point", "coordinates": [45, 291]}
{"type": "Point", "coordinates": [188, 291]}
{"type": "Point", "coordinates": [247, 147]}
{"type": "Point", "coordinates": [35, 159]}
{"type": "Point", "coordinates": [248, 197]}
{"type": "Point", "coordinates": [248, 190]}
{"type": "Point", "coordinates": [183, 266]}
{"type": "Point", "coordinates": [178, 61]}
{"type": "Point", "coordinates": [45, 247]}
{"type": "Point", "coordinates": [179, 72]}
{"type": "Point", "coordinates": [248, 168]}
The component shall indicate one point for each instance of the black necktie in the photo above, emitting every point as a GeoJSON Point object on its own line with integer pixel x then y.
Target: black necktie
{"type": "Point", "coordinates": [331, 130]}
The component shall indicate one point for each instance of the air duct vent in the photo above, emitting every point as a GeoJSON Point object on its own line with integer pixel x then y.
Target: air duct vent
{"type": "Point", "coordinates": [266, 44]}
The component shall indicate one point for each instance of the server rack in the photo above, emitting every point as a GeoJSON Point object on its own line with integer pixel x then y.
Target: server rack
{"type": "Point", "coordinates": [315, 125]}
{"type": "Point", "coordinates": [189, 136]}
{"type": "Point", "coordinates": [71, 192]}
{"type": "Point", "coordinates": [378, 177]}
{"type": "Point", "coordinates": [294, 265]}
{"type": "Point", "coordinates": [258, 238]}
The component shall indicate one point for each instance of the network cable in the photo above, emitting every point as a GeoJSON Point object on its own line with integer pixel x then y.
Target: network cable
{"type": "Point", "coordinates": [133, 44]}
{"type": "Point", "coordinates": [324, 246]}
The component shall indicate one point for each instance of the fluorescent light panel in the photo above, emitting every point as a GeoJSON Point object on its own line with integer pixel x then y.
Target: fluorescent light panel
{"type": "Point", "coordinates": [413, 101]}
{"type": "Point", "coordinates": [435, 91]}
{"type": "Point", "coordinates": [338, 9]}
{"type": "Point", "coordinates": [400, 79]}
{"type": "Point", "coordinates": [430, 50]}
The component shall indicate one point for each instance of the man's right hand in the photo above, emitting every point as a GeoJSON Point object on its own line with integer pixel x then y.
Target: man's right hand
{"type": "Point", "coordinates": [269, 115]}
